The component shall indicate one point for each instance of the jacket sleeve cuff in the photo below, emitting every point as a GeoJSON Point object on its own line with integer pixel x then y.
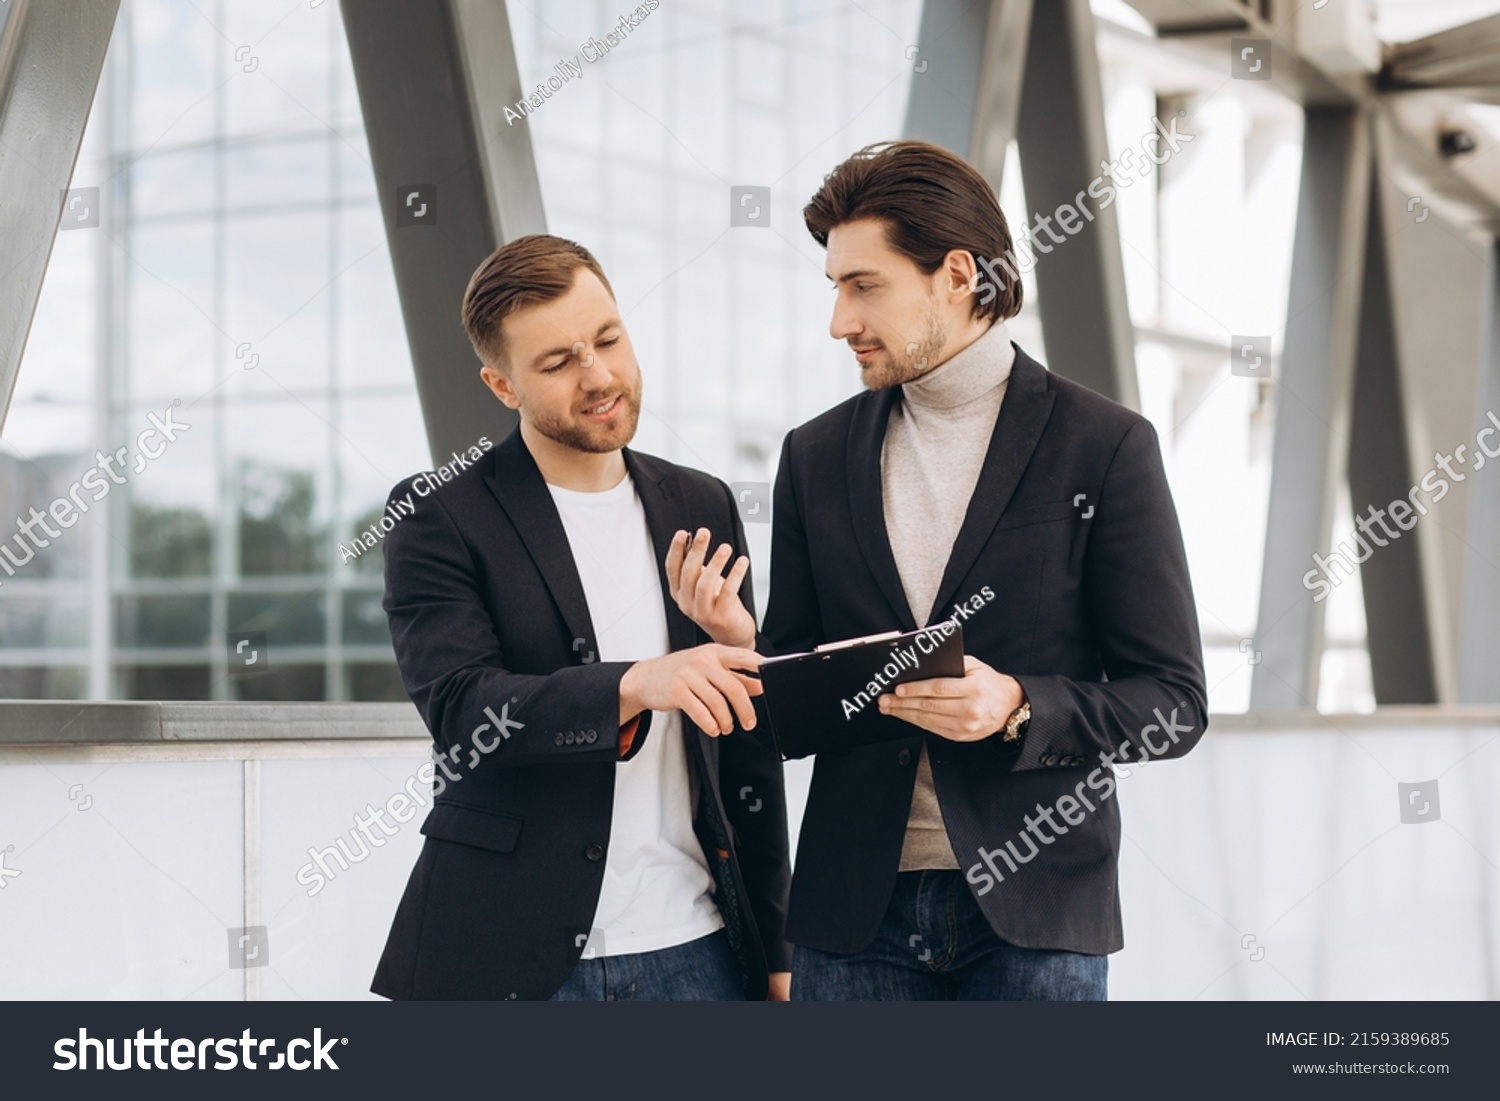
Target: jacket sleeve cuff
{"type": "Point", "coordinates": [1045, 743]}
{"type": "Point", "coordinates": [581, 723]}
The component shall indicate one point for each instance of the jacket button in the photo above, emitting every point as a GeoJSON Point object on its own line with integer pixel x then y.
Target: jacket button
{"type": "Point", "coordinates": [591, 737]}
{"type": "Point", "coordinates": [594, 852]}
{"type": "Point", "coordinates": [557, 739]}
{"type": "Point", "coordinates": [1051, 760]}
{"type": "Point", "coordinates": [904, 757]}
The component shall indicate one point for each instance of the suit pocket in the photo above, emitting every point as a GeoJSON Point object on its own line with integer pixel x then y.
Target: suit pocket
{"type": "Point", "coordinates": [468, 824]}
{"type": "Point", "coordinates": [1036, 514]}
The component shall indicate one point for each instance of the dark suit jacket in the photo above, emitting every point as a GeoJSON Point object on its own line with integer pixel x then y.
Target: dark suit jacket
{"type": "Point", "coordinates": [1092, 612]}
{"type": "Point", "coordinates": [489, 622]}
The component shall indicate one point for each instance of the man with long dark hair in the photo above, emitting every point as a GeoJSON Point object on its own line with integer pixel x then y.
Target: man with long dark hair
{"type": "Point", "coordinates": [976, 858]}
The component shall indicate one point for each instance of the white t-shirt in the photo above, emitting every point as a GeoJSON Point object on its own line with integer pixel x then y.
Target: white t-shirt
{"type": "Point", "coordinates": [657, 889]}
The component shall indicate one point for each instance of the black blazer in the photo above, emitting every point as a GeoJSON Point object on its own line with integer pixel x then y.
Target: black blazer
{"type": "Point", "coordinates": [487, 611]}
{"type": "Point", "coordinates": [1092, 612]}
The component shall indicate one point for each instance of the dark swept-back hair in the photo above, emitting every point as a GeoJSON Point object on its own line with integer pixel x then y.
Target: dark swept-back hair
{"type": "Point", "coordinates": [525, 272]}
{"type": "Point", "coordinates": [931, 201]}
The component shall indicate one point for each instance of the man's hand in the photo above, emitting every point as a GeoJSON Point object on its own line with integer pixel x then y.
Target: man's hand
{"type": "Point", "coordinates": [704, 683]}
{"type": "Point", "coordinates": [962, 709]}
{"type": "Point", "coordinates": [780, 989]}
{"type": "Point", "coordinates": [704, 594]}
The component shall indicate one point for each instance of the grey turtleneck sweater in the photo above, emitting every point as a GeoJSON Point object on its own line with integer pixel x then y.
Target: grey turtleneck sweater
{"type": "Point", "coordinates": [935, 445]}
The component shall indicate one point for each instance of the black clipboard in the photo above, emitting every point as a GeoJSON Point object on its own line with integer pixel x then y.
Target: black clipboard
{"type": "Point", "coordinates": [827, 699]}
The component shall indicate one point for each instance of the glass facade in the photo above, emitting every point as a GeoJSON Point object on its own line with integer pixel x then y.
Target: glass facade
{"type": "Point", "coordinates": [240, 278]}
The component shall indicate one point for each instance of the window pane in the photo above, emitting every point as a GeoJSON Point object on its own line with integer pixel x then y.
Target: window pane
{"type": "Point", "coordinates": [162, 621]}
{"type": "Point", "coordinates": [35, 622]}
{"type": "Point", "coordinates": [280, 451]}
{"type": "Point", "coordinates": [365, 621]}
{"type": "Point", "coordinates": [289, 619]}
{"type": "Point", "coordinates": [286, 682]}
{"type": "Point", "coordinates": [163, 682]}
{"type": "Point", "coordinates": [376, 683]}
{"type": "Point", "coordinates": [60, 682]}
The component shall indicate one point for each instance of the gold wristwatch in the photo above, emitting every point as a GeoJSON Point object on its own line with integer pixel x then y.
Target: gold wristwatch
{"type": "Point", "coordinates": [1019, 720]}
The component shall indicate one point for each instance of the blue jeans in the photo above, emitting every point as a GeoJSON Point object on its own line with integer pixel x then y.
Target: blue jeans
{"type": "Point", "coordinates": [702, 970]}
{"type": "Point", "coordinates": [935, 944]}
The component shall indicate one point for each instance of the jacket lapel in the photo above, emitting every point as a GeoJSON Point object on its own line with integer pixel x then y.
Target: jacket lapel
{"type": "Point", "coordinates": [517, 484]}
{"type": "Point", "coordinates": [866, 501]}
{"type": "Point", "coordinates": [666, 514]}
{"type": "Point", "coordinates": [1023, 416]}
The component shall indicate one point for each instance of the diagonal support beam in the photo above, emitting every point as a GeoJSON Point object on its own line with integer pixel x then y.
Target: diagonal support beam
{"type": "Point", "coordinates": [1081, 284]}
{"type": "Point", "coordinates": [454, 179]}
{"type": "Point", "coordinates": [992, 70]}
{"type": "Point", "coordinates": [946, 67]}
{"type": "Point", "coordinates": [1404, 627]}
{"type": "Point", "coordinates": [1479, 629]}
{"type": "Point", "coordinates": [1314, 399]}
{"type": "Point", "coordinates": [966, 84]}
{"type": "Point", "coordinates": [1466, 56]}
{"type": "Point", "coordinates": [51, 55]}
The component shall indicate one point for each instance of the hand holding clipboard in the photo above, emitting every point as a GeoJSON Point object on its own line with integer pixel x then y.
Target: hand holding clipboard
{"type": "Point", "coordinates": [826, 699]}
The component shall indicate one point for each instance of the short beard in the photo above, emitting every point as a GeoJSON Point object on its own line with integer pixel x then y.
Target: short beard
{"type": "Point", "coordinates": [595, 439]}
{"type": "Point", "coordinates": [886, 371]}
